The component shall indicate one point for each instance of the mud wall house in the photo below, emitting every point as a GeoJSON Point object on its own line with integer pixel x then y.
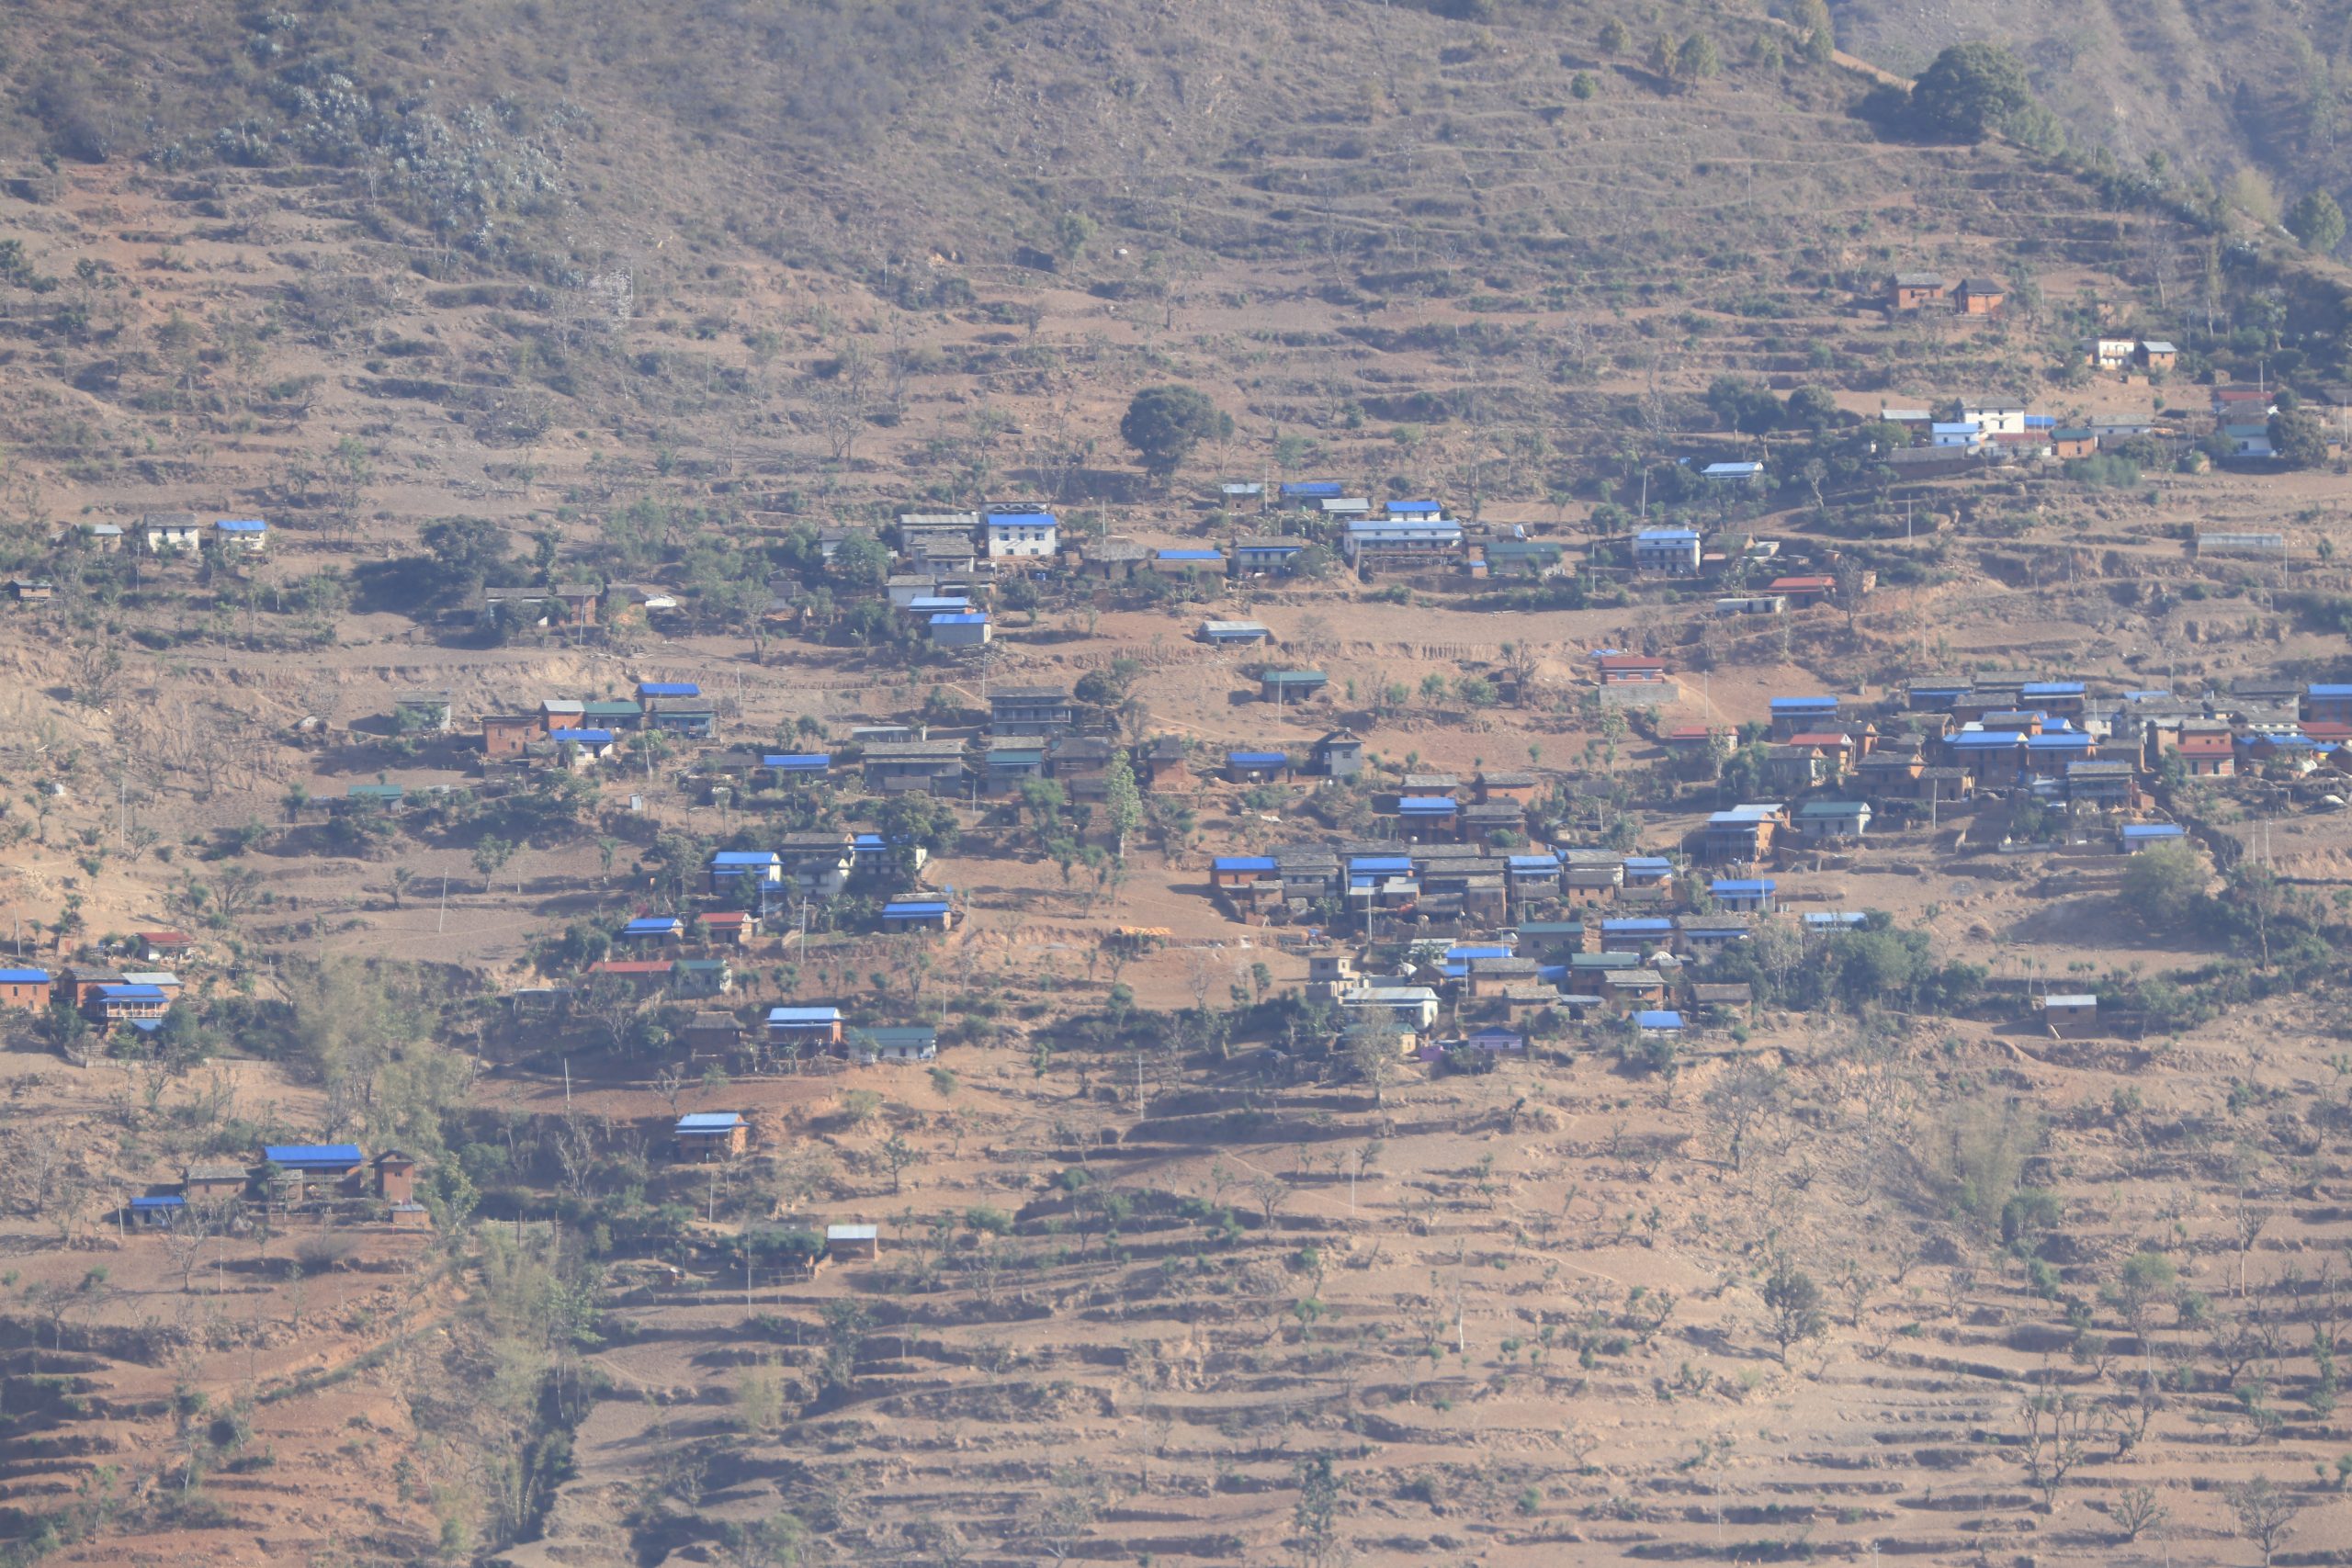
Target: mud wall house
{"type": "Point", "coordinates": [1240, 871]}
{"type": "Point", "coordinates": [1306, 492]}
{"type": "Point", "coordinates": [127, 1003]}
{"type": "Point", "coordinates": [1080, 765]}
{"type": "Point", "coordinates": [1424, 816]}
{"type": "Point", "coordinates": [2158, 355]}
{"type": "Point", "coordinates": [1911, 290]}
{"type": "Point", "coordinates": [730, 869]}
{"type": "Point", "coordinates": [650, 932]}
{"type": "Point", "coordinates": [31, 590]}
{"type": "Point", "coordinates": [1401, 544]}
{"type": "Point", "coordinates": [1490, 977]}
{"type": "Point", "coordinates": [1188, 562]}
{"type": "Point", "coordinates": [25, 990]}
{"type": "Point", "coordinates": [1164, 765]}
{"type": "Point", "coordinates": [619, 714]}
{"type": "Point", "coordinates": [1752, 895]}
{"type": "Point", "coordinates": [727, 927]}
{"type": "Point", "coordinates": [702, 976]}
{"type": "Point", "coordinates": [1233, 634]}
{"type": "Point", "coordinates": [2208, 754]}
{"type": "Point", "coordinates": [2328, 704]}
{"type": "Point", "coordinates": [1275, 556]}
{"type": "Point", "coordinates": [818, 863]}
{"type": "Point", "coordinates": [1030, 710]}
{"type": "Point", "coordinates": [786, 769]}
{"type": "Point", "coordinates": [1256, 767]}
{"type": "Point", "coordinates": [644, 976]}
{"type": "Point", "coordinates": [1800, 716]}
{"type": "Point", "coordinates": [711, 1034]}
{"type": "Point", "coordinates": [395, 1173]}
{"type": "Point", "coordinates": [505, 734]}
{"type": "Point", "coordinates": [235, 536]}
{"type": "Point", "coordinates": [1980, 296]}
{"type": "Point", "coordinates": [215, 1181]}
{"type": "Point", "coordinates": [930, 767]}
{"type": "Point", "coordinates": [315, 1169]}
{"type": "Point", "coordinates": [694, 717]}
{"type": "Point", "coordinates": [157, 1211]}
{"type": "Point", "coordinates": [1823, 820]}
{"type": "Point", "coordinates": [1630, 669]}
{"type": "Point", "coordinates": [2102, 786]}
{"type": "Point", "coordinates": [704, 1135]}
{"type": "Point", "coordinates": [805, 1028]}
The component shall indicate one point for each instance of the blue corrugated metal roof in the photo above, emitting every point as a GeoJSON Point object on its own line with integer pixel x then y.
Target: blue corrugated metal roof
{"type": "Point", "coordinates": [24, 976]}
{"type": "Point", "coordinates": [1415, 509]}
{"type": "Point", "coordinates": [804, 1015]}
{"type": "Point", "coordinates": [915, 909]}
{"type": "Point", "coordinates": [651, 925]}
{"type": "Point", "coordinates": [1020, 520]}
{"type": "Point", "coordinates": [127, 993]}
{"type": "Point", "coordinates": [1649, 862]}
{"type": "Point", "coordinates": [668, 689]}
{"type": "Point", "coordinates": [1639, 925]}
{"type": "Point", "coordinates": [744, 857]}
{"type": "Point", "coordinates": [1667, 536]}
{"type": "Point", "coordinates": [1803, 705]}
{"type": "Point", "coordinates": [1425, 806]}
{"type": "Point", "coordinates": [969, 619]}
{"type": "Point", "coordinates": [2329, 690]}
{"type": "Point", "coordinates": [2059, 740]}
{"type": "Point", "coordinates": [242, 525]}
{"type": "Point", "coordinates": [1658, 1018]}
{"type": "Point", "coordinates": [2154, 831]}
{"type": "Point", "coordinates": [1735, 886]}
{"type": "Point", "coordinates": [173, 1201]}
{"type": "Point", "coordinates": [583, 737]}
{"type": "Point", "coordinates": [709, 1121]}
{"type": "Point", "coordinates": [1312, 490]}
{"type": "Point", "coordinates": [1987, 740]}
{"type": "Point", "coordinates": [1468, 951]}
{"type": "Point", "coordinates": [1256, 759]}
{"type": "Point", "coordinates": [797, 762]}
{"type": "Point", "coordinates": [1532, 862]}
{"type": "Point", "coordinates": [1190, 555]}
{"type": "Point", "coordinates": [1375, 864]}
{"type": "Point", "coordinates": [1242, 863]}
{"type": "Point", "coordinates": [2051, 689]}
{"type": "Point", "coordinates": [301, 1155]}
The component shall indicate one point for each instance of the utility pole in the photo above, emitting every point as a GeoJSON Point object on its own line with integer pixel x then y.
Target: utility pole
{"type": "Point", "coordinates": [567, 1086]}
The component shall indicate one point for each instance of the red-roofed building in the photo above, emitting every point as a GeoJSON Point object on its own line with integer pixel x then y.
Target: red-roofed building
{"type": "Point", "coordinates": [1839, 749]}
{"type": "Point", "coordinates": [1803, 589]}
{"type": "Point", "coordinates": [164, 944]}
{"type": "Point", "coordinates": [643, 973]}
{"type": "Point", "coordinates": [734, 927]}
{"type": "Point", "coordinates": [2209, 754]}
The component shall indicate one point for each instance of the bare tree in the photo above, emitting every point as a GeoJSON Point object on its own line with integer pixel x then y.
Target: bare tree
{"type": "Point", "coordinates": [2053, 1438]}
{"type": "Point", "coordinates": [2264, 1514]}
{"type": "Point", "coordinates": [1741, 1099]}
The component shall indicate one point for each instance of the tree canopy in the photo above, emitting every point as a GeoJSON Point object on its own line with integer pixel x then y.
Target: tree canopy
{"type": "Point", "coordinates": [1969, 91]}
{"type": "Point", "coordinates": [1164, 423]}
{"type": "Point", "coordinates": [2317, 222]}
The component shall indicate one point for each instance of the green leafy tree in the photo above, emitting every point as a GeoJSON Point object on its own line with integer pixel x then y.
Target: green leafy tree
{"type": "Point", "coordinates": [1122, 802]}
{"type": "Point", "coordinates": [1164, 423]}
{"type": "Point", "coordinates": [2162, 886]}
{"type": "Point", "coordinates": [860, 561]}
{"type": "Point", "coordinates": [1697, 61]}
{"type": "Point", "coordinates": [2299, 437]}
{"type": "Point", "coordinates": [1793, 1301]}
{"type": "Point", "coordinates": [2317, 222]}
{"type": "Point", "coordinates": [1969, 91]}
{"type": "Point", "coordinates": [1812, 20]}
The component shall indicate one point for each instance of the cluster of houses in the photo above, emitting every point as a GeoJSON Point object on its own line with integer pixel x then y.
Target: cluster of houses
{"type": "Point", "coordinates": [105, 995]}
{"type": "Point", "coordinates": [1978, 296]}
{"type": "Point", "coordinates": [288, 1174]}
{"type": "Point", "coordinates": [165, 534]}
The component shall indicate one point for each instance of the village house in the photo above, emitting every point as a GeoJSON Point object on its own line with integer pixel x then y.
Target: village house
{"type": "Point", "coordinates": [1081, 765]}
{"type": "Point", "coordinates": [1666, 552]}
{"type": "Point", "coordinates": [506, 735]}
{"type": "Point", "coordinates": [1630, 669]}
{"type": "Point", "coordinates": [1263, 553]}
{"type": "Point", "coordinates": [1340, 754]}
{"type": "Point", "coordinates": [2073, 442]}
{"type": "Point", "coordinates": [1240, 871]}
{"type": "Point", "coordinates": [1283, 687]}
{"type": "Point", "coordinates": [2207, 754]}
{"type": "Point", "coordinates": [1020, 536]}
{"type": "Point", "coordinates": [2157, 355]}
{"type": "Point", "coordinates": [170, 533]}
{"type": "Point", "coordinates": [1256, 767]}
{"type": "Point", "coordinates": [1401, 544]}
{"type": "Point", "coordinates": [395, 1176]}
{"type": "Point", "coordinates": [1030, 710]}
{"type": "Point", "coordinates": [961, 628]}
{"type": "Point", "coordinates": [805, 1029]}
{"type": "Point", "coordinates": [718, 1034]}
{"type": "Point", "coordinates": [702, 977]}
{"type": "Point", "coordinates": [1743, 834]}
{"type": "Point", "coordinates": [2135, 837]}
{"type": "Point", "coordinates": [694, 717]}
{"type": "Point", "coordinates": [240, 536]}
{"type": "Point", "coordinates": [1164, 765]}
{"type": "Point", "coordinates": [127, 1002]}
{"type": "Point", "coordinates": [1800, 716]}
{"type": "Point", "coordinates": [918, 915]}
{"type": "Point", "coordinates": [894, 1043]}
{"type": "Point", "coordinates": [711, 1134]}
{"type": "Point", "coordinates": [2111, 352]}
{"type": "Point", "coordinates": [640, 974]}
{"type": "Point", "coordinates": [1186, 561]}
{"type": "Point", "coordinates": [313, 1170]}
{"type": "Point", "coordinates": [1821, 820]}
{"type": "Point", "coordinates": [1233, 634]}
{"type": "Point", "coordinates": [817, 863]}
{"type": "Point", "coordinates": [727, 927]}
{"type": "Point", "coordinates": [1522, 557]}
{"type": "Point", "coordinates": [1415, 1007]}
{"type": "Point", "coordinates": [2071, 1016]}
{"type": "Point", "coordinates": [1910, 290]}
{"type": "Point", "coordinates": [215, 1181]}
{"type": "Point", "coordinates": [1980, 296]}
{"type": "Point", "coordinates": [25, 990]}
{"type": "Point", "coordinates": [1749, 894]}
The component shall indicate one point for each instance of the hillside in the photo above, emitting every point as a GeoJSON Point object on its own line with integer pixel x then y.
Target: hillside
{"type": "Point", "coordinates": [665, 302]}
